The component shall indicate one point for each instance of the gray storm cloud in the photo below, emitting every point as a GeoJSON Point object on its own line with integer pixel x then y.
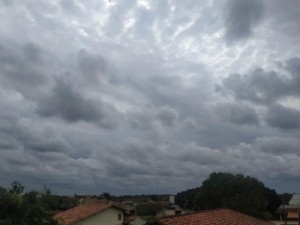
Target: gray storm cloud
{"type": "Point", "coordinates": [262, 86]}
{"type": "Point", "coordinates": [68, 104]}
{"type": "Point", "coordinates": [241, 18]}
{"type": "Point", "coordinates": [237, 113]}
{"type": "Point", "coordinates": [108, 95]}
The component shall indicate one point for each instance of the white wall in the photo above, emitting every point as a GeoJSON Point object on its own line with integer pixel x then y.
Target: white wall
{"type": "Point", "coordinates": [172, 199]}
{"type": "Point", "coordinates": [106, 217]}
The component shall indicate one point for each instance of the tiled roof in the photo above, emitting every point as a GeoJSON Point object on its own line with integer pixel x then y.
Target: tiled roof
{"type": "Point", "coordinates": [213, 217]}
{"type": "Point", "coordinates": [293, 215]}
{"type": "Point", "coordinates": [80, 212]}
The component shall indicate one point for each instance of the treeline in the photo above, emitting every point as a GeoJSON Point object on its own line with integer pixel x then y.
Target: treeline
{"type": "Point", "coordinates": [221, 190]}
{"type": "Point", "coordinates": [31, 208]}
{"type": "Point", "coordinates": [238, 192]}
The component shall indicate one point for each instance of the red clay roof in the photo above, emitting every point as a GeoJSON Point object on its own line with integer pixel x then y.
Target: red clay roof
{"type": "Point", "coordinates": [213, 217]}
{"type": "Point", "coordinates": [80, 212]}
{"type": "Point", "coordinates": [293, 215]}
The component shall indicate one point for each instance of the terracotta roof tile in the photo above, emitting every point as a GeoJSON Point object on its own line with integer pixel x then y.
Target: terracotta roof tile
{"type": "Point", "coordinates": [213, 217]}
{"type": "Point", "coordinates": [293, 215]}
{"type": "Point", "coordinates": [80, 212]}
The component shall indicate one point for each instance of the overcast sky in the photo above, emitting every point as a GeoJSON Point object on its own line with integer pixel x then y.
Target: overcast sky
{"type": "Point", "coordinates": [136, 96]}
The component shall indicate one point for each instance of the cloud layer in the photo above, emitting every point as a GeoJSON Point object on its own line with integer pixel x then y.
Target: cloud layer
{"type": "Point", "coordinates": [147, 96]}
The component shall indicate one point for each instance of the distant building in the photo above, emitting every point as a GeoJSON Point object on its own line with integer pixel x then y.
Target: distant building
{"type": "Point", "coordinates": [172, 199]}
{"type": "Point", "coordinates": [295, 200]}
{"type": "Point", "coordinates": [291, 211]}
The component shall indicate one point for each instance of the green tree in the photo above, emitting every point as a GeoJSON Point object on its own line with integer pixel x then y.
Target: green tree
{"type": "Point", "coordinates": [148, 209]}
{"type": "Point", "coordinates": [48, 200]}
{"type": "Point", "coordinates": [273, 199]}
{"type": "Point", "coordinates": [19, 209]}
{"type": "Point", "coordinates": [285, 198]}
{"type": "Point", "coordinates": [16, 188]}
{"type": "Point", "coordinates": [185, 199]}
{"type": "Point", "coordinates": [238, 192]}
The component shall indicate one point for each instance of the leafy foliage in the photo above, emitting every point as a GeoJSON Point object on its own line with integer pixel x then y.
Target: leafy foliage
{"type": "Point", "coordinates": [106, 196]}
{"type": "Point", "coordinates": [19, 209]}
{"type": "Point", "coordinates": [148, 209]}
{"type": "Point", "coordinates": [238, 192]}
{"type": "Point", "coordinates": [48, 200]}
{"type": "Point", "coordinates": [285, 198]}
{"type": "Point", "coordinates": [273, 199]}
{"type": "Point", "coordinates": [186, 198]}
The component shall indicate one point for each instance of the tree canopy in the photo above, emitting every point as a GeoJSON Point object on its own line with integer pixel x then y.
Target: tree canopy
{"type": "Point", "coordinates": [148, 209]}
{"type": "Point", "coordinates": [17, 208]}
{"type": "Point", "coordinates": [238, 192]}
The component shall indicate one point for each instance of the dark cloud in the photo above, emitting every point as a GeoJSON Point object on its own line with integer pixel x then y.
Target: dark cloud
{"type": "Point", "coordinates": [278, 145]}
{"type": "Point", "coordinates": [259, 86]}
{"type": "Point", "coordinates": [91, 66]}
{"type": "Point", "coordinates": [7, 143]}
{"type": "Point", "coordinates": [33, 53]}
{"type": "Point", "coordinates": [201, 155]}
{"type": "Point", "coordinates": [241, 17]}
{"type": "Point", "coordinates": [68, 69]}
{"type": "Point", "coordinates": [167, 116]}
{"type": "Point", "coordinates": [269, 89]}
{"type": "Point", "coordinates": [283, 17]}
{"type": "Point", "coordinates": [19, 66]}
{"type": "Point", "coordinates": [262, 86]}
{"type": "Point", "coordinates": [52, 144]}
{"type": "Point", "coordinates": [24, 69]}
{"type": "Point", "coordinates": [134, 159]}
{"type": "Point", "coordinates": [282, 117]}
{"type": "Point", "coordinates": [67, 103]}
{"type": "Point", "coordinates": [16, 135]}
{"type": "Point", "coordinates": [140, 121]}
{"type": "Point", "coordinates": [240, 114]}
{"type": "Point", "coordinates": [293, 66]}
{"type": "Point", "coordinates": [8, 2]}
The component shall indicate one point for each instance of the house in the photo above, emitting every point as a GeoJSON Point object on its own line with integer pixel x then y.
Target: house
{"type": "Point", "coordinates": [295, 200]}
{"type": "Point", "coordinates": [291, 211]}
{"type": "Point", "coordinates": [171, 211]}
{"type": "Point", "coordinates": [92, 214]}
{"type": "Point", "coordinates": [211, 217]}
{"type": "Point", "coordinates": [133, 220]}
{"type": "Point", "coordinates": [129, 207]}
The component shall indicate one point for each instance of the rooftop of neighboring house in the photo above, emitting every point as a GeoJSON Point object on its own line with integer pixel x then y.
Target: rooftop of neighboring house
{"type": "Point", "coordinates": [212, 217]}
{"type": "Point", "coordinates": [294, 205]}
{"type": "Point", "coordinates": [83, 211]}
{"type": "Point", "coordinates": [293, 215]}
{"type": "Point", "coordinates": [295, 200]}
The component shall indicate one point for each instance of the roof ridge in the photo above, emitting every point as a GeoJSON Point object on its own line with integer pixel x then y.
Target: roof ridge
{"type": "Point", "coordinates": [87, 209]}
{"type": "Point", "coordinates": [244, 214]}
